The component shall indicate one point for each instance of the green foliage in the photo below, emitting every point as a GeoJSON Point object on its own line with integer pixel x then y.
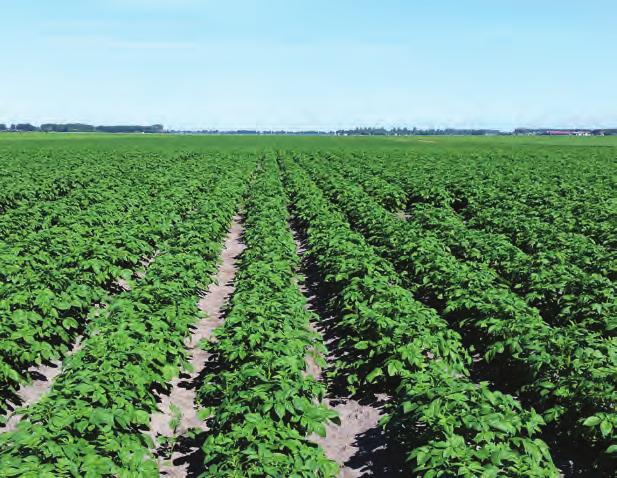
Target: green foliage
{"type": "Point", "coordinates": [423, 247]}
{"type": "Point", "coordinates": [568, 372]}
{"type": "Point", "coordinates": [91, 423]}
{"type": "Point", "coordinates": [263, 403]}
{"type": "Point", "coordinates": [560, 290]}
{"type": "Point", "coordinates": [391, 342]}
{"type": "Point", "coordinates": [63, 254]}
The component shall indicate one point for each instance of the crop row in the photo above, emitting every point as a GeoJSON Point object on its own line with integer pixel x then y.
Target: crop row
{"type": "Point", "coordinates": [263, 404]}
{"type": "Point", "coordinates": [571, 191]}
{"type": "Point", "coordinates": [546, 205]}
{"type": "Point", "coordinates": [30, 178]}
{"type": "Point", "coordinates": [390, 342]}
{"type": "Point", "coordinates": [52, 277]}
{"type": "Point", "coordinates": [562, 292]}
{"type": "Point", "coordinates": [78, 183]}
{"type": "Point", "coordinates": [566, 372]}
{"type": "Point", "coordinates": [92, 421]}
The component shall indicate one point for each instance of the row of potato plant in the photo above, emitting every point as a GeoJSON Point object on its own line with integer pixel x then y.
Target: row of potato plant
{"type": "Point", "coordinates": [390, 342]}
{"type": "Point", "coordinates": [52, 277]}
{"type": "Point", "coordinates": [566, 372]}
{"type": "Point", "coordinates": [262, 404]}
{"type": "Point", "coordinates": [88, 177]}
{"type": "Point", "coordinates": [570, 190]}
{"type": "Point", "coordinates": [511, 196]}
{"type": "Point", "coordinates": [92, 422]}
{"type": "Point", "coordinates": [30, 177]}
{"type": "Point", "coordinates": [562, 292]}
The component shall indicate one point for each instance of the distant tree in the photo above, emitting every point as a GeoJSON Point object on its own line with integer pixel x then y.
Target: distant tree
{"type": "Point", "coordinates": [68, 127]}
{"type": "Point", "coordinates": [25, 127]}
{"type": "Point", "coordinates": [156, 128]}
{"type": "Point", "coordinates": [415, 131]}
{"type": "Point", "coordinates": [2, 127]}
{"type": "Point", "coordinates": [47, 127]}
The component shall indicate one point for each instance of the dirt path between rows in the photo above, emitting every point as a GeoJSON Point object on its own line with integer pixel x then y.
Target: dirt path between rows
{"type": "Point", "coordinates": [43, 377]}
{"type": "Point", "coordinates": [173, 461]}
{"type": "Point", "coordinates": [358, 442]}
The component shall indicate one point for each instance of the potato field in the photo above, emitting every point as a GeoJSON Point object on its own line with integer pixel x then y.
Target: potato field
{"type": "Point", "coordinates": [307, 307]}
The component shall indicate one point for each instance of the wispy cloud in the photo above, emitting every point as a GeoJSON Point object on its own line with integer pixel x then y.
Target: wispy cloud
{"type": "Point", "coordinates": [151, 45]}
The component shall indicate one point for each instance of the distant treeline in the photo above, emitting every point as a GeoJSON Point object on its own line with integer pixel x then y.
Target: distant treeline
{"type": "Point", "coordinates": [353, 132]}
{"type": "Point", "coordinates": [83, 128]}
{"type": "Point", "coordinates": [416, 132]}
{"type": "Point", "coordinates": [566, 131]}
{"type": "Point", "coordinates": [253, 132]}
{"type": "Point", "coordinates": [365, 131]}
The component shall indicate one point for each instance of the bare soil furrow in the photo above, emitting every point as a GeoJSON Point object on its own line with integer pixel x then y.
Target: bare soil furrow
{"type": "Point", "coordinates": [42, 379]}
{"type": "Point", "coordinates": [178, 410]}
{"type": "Point", "coordinates": [358, 443]}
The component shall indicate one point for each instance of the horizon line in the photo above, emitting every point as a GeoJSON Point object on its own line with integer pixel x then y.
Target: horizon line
{"type": "Point", "coordinates": [310, 128]}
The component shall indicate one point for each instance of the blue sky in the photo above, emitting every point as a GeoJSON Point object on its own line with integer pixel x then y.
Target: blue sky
{"type": "Point", "coordinates": [303, 64]}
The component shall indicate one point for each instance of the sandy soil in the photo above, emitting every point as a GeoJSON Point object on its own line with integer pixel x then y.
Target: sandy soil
{"type": "Point", "coordinates": [350, 444]}
{"type": "Point", "coordinates": [183, 388]}
{"type": "Point", "coordinates": [43, 377]}
{"type": "Point", "coordinates": [346, 444]}
{"type": "Point", "coordinates": [123, 284]}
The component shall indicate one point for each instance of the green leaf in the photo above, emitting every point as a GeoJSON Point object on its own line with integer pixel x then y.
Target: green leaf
{"type": "Point", "coordinates": [592, 421]}
{"type": "Point", "coordinates": [606, 428]}
{"type": "Point", "coordinates": [69, 323]}
{"type": "Point", "coordinates": [280, 410]}
{"type": "Point", "coordinates": [374, 374]}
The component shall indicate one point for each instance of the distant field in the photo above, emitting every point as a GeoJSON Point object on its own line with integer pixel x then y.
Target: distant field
{"type": "Point", "coordinates": [251, 142]}
{"type": "Point", "coordinates": [287, 306]}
